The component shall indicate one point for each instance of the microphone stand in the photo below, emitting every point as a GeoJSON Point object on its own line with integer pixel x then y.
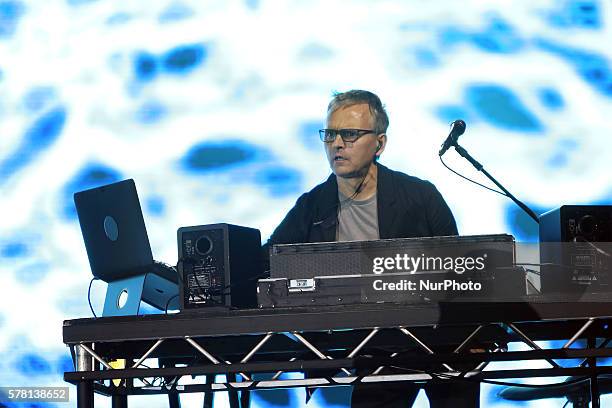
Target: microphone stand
{"type": "Point", "coordinates": [463, 153]}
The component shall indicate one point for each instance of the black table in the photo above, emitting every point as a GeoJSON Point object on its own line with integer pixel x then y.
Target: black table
{"type": "Point", "coordinates": [340, 343]}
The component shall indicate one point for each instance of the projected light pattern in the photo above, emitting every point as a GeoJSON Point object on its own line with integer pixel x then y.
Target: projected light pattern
{"type": "Point", "coordinates": [39, 137]}
{"type": "Point", "coordinates": [211, 157]}
{"type": "Point", "coordinates": [10, 13]}
{"type": "Point", "coordinates": [500, 107]}
{"type": "Point", "coordinates": [214, 109]}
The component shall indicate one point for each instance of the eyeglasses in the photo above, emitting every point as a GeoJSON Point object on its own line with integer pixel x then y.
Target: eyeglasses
{"type": "Point", "coordinates": [347, 135]}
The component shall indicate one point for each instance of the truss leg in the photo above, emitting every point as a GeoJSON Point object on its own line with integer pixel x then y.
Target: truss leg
{"type": "Point", "coordinates": [119, 401]}
{"type": "Point", "coordinates": [594, 383]}
{"type": "Point", "coordinates": [174, 400]}
{"type": "Point", "coordinates": [85, 394]}
{"type": "Point", "coordinates": [208, 396]}
{"type": "Point", "coordinates": [245, 399]}
{"type": "Point", "coordinates": [85, 389]}
{"type": "Point", "coordinates": [232, 394]}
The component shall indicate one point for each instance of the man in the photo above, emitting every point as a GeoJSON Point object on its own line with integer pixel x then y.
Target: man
{"type": "Point", "coordinates": [364, 200]}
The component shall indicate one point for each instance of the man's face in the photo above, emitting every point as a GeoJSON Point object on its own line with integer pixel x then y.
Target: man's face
{"type": "Point", "coordinates": [351, 159]}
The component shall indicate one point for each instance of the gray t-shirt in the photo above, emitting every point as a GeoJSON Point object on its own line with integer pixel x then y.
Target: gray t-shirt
{"type": "Point", "coordinates": [357, 220]}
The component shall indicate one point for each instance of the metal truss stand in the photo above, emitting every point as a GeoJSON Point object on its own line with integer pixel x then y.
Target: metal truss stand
{"type": "Point", "coordinates": [345, 355]}
{"type": "Point", "coordinates": [85, 388]}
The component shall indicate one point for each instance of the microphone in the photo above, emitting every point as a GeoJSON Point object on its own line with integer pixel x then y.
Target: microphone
{"type": "Point", "coordinates": [457, 129]}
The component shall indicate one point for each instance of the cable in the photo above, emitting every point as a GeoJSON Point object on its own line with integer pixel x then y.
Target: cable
{"type": "Point", "coordinates": [204, 291]}
{"type": "Point", "coordinates": [339, 204]}
{"type": "Point", "coordinates": [174, 381]}
{"type": "Point", "coordinates": [493, 382]}
{"type": "Point", "coordinates": [222, 292]}
{"type": "Point", "coordinates": [592, 245]}
{"type": "Point", "coordinates": [167, 266]}
{"type": "Point", "coordinates": [145, 381]}
{"type": "Point", "coordinates": [215, 292]}
{"type": "Point", "coordinates": [472, 181]}
{"type": "Point", "coordinates": [263, 274]}
{"type": "Point", "coordinates": [89, 297]}
{"type": "Point", "coordinates": [168, 303]}
{"type": "Point", "coordinates": [511, 384]}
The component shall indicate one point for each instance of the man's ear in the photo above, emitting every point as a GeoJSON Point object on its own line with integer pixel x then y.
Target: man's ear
{"type": "Point", "coordinates": [382, 142]}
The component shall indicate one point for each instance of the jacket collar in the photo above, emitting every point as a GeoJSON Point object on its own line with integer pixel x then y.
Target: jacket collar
{"type": "Point", "coordinates": [327, 208]}
{"type": "Point", "coordinates": [386, 194]}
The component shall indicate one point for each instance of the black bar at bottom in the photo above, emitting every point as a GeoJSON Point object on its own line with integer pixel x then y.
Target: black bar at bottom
{"type": "Point", "coordinates": [594, 385]}
{"type": "Point", "coordinates": [119, 401]}
{"type": "Point", "coordinates": [359, 362]}
{"type": "Point", "coordinates": [173, 400]}
{"type": "Point", "coordinates": [85, 394]}
{"type": "Point", "coordinates": [485, 375]}
{"type": "Point", "coordinates": [208, 395]}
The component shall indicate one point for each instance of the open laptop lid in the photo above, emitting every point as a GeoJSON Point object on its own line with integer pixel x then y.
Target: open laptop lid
{"type": "Point", "coordinates": [114, 231]}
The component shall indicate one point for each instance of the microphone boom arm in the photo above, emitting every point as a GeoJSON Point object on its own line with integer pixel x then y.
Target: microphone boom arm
{"type": "Point", "coordinates": [463, 153]}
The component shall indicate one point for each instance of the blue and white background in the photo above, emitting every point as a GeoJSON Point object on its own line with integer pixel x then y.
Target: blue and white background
{"type": "Point", "coordinates": [213, 108]}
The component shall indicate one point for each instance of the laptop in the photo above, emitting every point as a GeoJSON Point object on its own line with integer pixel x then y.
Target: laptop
{"type": "Point", "coordinates": [115, 235]}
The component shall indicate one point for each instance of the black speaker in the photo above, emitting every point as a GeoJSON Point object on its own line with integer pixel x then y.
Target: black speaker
{"type": "Point", "coordinates": [575, 246]}
{"type": "Point", "coordinates": [219, 265]}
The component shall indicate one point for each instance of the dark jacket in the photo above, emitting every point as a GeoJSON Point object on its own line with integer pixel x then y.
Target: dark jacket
{"type": "Point", "coordinates": [408, 207]}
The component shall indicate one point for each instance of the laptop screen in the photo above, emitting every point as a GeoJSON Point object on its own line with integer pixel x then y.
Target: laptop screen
{"type": "Point", "coordinates": [114, 231]}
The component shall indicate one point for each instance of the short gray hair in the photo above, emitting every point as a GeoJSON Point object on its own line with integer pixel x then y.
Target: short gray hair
{"type": "Point", "coordinates": [358, 96]}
